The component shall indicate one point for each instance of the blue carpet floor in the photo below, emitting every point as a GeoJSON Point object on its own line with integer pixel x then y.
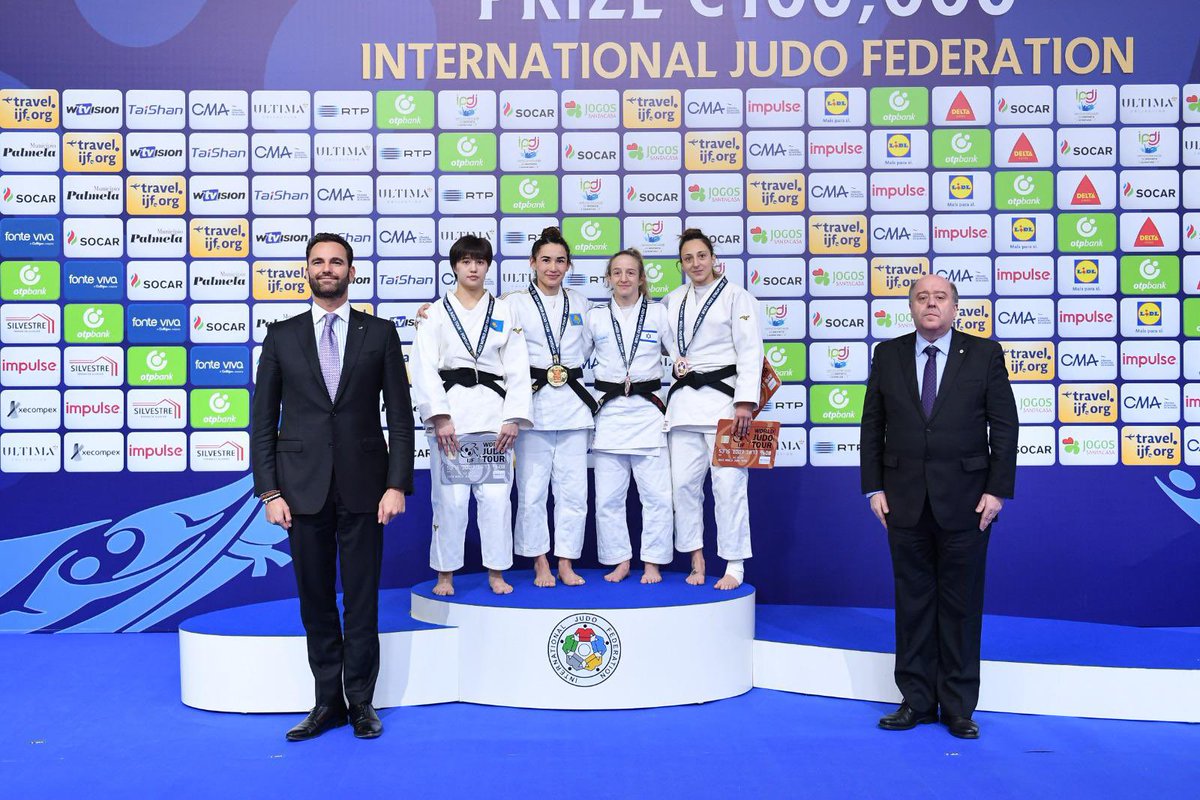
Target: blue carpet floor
{"type": "Point", "coordinates": [98, 716]}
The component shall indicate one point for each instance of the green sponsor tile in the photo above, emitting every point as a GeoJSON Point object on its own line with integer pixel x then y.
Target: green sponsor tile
{"type": "Point", "coordinates": [466, 152]}
{"type": "Point", "coordinates": [29, 280]}
{"type": "Point", "coordinates": [220, 408]}
{"type": "Point", "coordinates": [1024, 191]}
{"type": "Point", "coordinates": [790, 361]}
{"type": "Point", "coordinates": [1094, 232]}
{"type": "Point", "coordinates": [834, 404]}
{"type": "Point", "coordinates": [962, 148]}
{"type": "Point", "coordinates": [593, 236]}
{"type": "Point", "coordinates": [1191, 317]}
{"type": "Point", "coordinates": [157, 366]}
{"type": "Point", "coordinates": [404, 110]}
{"type": "Point", "coordinates": [93, 323]}
{"type": "Point", "coordinates": [663, 277]}
{"type": "Point", "coordinates": [1150, 274]}
{"type": "Point", "coordinates": [899, 106]}
{"type": "Point", "coordinates": [529, 194]}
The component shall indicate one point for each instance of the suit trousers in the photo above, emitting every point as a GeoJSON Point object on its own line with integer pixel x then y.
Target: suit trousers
{"type": "Point", "coordinates": [939, 613]}
{"type": "Point", "coordinates": [319, 541]}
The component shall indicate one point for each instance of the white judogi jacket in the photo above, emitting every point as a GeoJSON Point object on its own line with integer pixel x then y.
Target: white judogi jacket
{"type": "Point", "coordinates": [729, 335]}
{"type": "Point", "coordinates": [472, 409]}
{"type": "Point", "coordinates": [628, 424]}
{"type": "Point", "coordinates": [554, 409]}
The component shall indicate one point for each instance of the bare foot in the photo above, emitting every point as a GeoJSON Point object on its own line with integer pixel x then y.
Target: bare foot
{"type": "Point", "coordinates": [651, 574]}
{"type": "Point", "coordinates": [497, 582]}
{"type": "Point", "coordinates": [619, 573]}
{"type": "Point", "coordinates": [696, 576]}
{"type": "Point", "coordinates": [445, 584]}
{"type": "Point", "coordinates": [567, 574]}
{"type": "Point", "coordinates": [541, 572]}
{"type": "Point", "coordinates": [728, 582]}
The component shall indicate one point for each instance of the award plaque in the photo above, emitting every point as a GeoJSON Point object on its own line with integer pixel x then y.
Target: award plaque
{"type": "Point", "coordinates": [477, 461]}
{"type": "Point", "coordinates": [755, 450]}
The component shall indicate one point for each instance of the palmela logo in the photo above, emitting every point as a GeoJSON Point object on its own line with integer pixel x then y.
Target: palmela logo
{"type": "Point", "coordinates": [584, 650]}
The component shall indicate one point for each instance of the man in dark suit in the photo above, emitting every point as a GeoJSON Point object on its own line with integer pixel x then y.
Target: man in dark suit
{"type": "Point", "coordinates": [324, 472]}
{"type": "Point", "coordinates": [939, 451]}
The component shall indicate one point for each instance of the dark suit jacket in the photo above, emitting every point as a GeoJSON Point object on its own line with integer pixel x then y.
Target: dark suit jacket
{"type": "Point", "coordinates": [318, 439]}
{"type": "Point", "coordinates": [966, 447]}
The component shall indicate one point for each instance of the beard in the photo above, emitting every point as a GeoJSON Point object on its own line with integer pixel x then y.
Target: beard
{"type": "Point", "coordinates": [339, 289]}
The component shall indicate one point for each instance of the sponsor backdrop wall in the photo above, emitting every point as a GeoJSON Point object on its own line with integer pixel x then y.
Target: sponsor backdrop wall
{"type": "Point", "coordinates": [162, 164]}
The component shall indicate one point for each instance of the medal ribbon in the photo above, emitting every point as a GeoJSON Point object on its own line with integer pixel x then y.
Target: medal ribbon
{"type": "Point", "coordinates": [462, 334]}
{"type": "Point", "coordinates": [704, 309]}
{"type": "Point", "coordinates": [562, 329]}
{"type": "Point", "coordinates": [637, 334]}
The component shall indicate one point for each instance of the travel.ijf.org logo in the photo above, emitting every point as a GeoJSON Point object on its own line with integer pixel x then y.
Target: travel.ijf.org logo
{"type": "Point", "coordinates": [584, 650]}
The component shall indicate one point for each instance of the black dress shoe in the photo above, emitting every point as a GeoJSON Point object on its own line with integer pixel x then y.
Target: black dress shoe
{"type": "Point", "coordinates": [319, 720]}
{"type": "Point", "coordinates": [905, 718]}
{"type": "Point", "coordinates": [962, 727]}
{"type": "Point", "coordinates": [365, 721]}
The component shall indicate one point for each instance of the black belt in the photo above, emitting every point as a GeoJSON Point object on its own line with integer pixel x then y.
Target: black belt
{"type": "Point", "coordinates": [574, 380]}
{"type": "Point", "coordinates": [647, 389]}
{"type": "Point", "coordinates": [698, 380]}
{"type": "Point", "coordinates": [465, 376]}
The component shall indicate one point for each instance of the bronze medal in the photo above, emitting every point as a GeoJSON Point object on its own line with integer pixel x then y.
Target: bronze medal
{"type": "Point", "coordinates": [557, 375]}
{"type": "Point", "coordinates": [681, 367]}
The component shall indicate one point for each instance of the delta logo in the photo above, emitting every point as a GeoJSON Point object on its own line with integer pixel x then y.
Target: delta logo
{"type": "Point", "coordinates": [1022, 151]}
{"type": "Point", "coordinates": [1086, 271]}
{"type": "Point", "coordinates": [837, 104]}
{"type": "Point", "coordinates": [960, 110]}
{"type": "Point", "coordinates": [1024, 229]}
{"type": "Point", "coordinates": [1148, 235]}
{"type": "Point", "coordinates": [1085, 193]}
{"type": "Point", "coordinates": [962, 187]}
{"type": "Point", "coordinates": [899, 145]}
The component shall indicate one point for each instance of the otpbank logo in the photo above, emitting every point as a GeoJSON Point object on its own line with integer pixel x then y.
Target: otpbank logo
{"type": "Point", "coordinates": [29, 108]}
{"type": "Point", "coordinates": [466, 152]}
{"type": "Point", "coordinates": [651, 108]}
{"type": "Point", "coordinates": [899, 106]}
{"type": "Point", "coordinates": [407, 110]}
{"type": "Point", "coordinates": [27, 237]}
{"type": "Point", "coordinates": [29, 280]}
{"type": "Point", "coordinates": [101, 323]}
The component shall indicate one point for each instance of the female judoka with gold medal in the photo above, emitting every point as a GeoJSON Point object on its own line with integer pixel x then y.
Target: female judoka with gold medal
{"type": "Point", "coordinates": [554, 452]}
{"type": "Point", "coordinates": [718, 351]}
{"type": "Point", "coordinates": [630, 426]}
{"type": "Point", "coordinates": [470, 374]}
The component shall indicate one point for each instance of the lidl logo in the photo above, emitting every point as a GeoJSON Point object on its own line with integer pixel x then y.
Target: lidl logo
{"type": "Point", "coordinates": [1149, 313]}
{"type": "Point", "coordinates": [962, 187]}
{"type": "Point", "coordinates": [837, 104]}
{"type": "Point", "coordinates": [1086, 271]}
{"type": "Point", "coordinates": [1024, 229]}
{"type": "Point", "coordinates": [899, 145]}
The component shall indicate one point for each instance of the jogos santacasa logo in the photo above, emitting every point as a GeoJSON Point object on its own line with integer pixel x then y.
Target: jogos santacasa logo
{"type": "Point", "coordinates": [584, 649]}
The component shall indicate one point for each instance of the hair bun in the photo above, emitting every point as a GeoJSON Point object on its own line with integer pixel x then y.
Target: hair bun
{"type": "Point", "coordinates": [692, 232]}
{"type": "Point", "coordinates": [551, 232]}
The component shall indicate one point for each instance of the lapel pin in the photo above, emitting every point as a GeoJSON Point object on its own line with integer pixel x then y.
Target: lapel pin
{"type": "Point", "coordinates": [960, 352]}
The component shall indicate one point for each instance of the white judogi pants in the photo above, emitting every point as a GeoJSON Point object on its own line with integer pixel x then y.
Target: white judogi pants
{"type": "Point", "coordinates": [544, 457]}
{"type": "Point", "coordinates": [493, 514]}
{"type": "Point", "coordinates": [653, 475]}
{"type": "Point", "coordinates": [691, 457]}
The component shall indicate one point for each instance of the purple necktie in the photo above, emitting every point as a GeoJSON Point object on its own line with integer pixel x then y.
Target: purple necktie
{"type": "Point", "coordinates": [929, 382]}
{"type": "Point", "coordinates": [327, 352]}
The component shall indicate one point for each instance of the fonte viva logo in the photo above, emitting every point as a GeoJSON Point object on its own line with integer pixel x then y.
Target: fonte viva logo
{"type": "Point", "coordinates": [898, 100]}
{"type": "Point", "coordinates": [777, 356]}
{"type": "Point", "coordinates": [404, 104]}
{"type": "Point", "coordinates": [219, 403]}
{"type": "Point", "coordinates": [961, 143]}
{"type": "Point", "coordinates": [468, 146]}
{"type": "Point", "coordinates": [839, 398]}
{"type": "Point", "coordinates": [156, 360]}
{"type": "Point", "coordinates": [93, 317]}
{"type": "Point", "coordinates": [1149, 269]}
{"type": "Point", "coordinates": [1023, 185]}
{"type": "Point", "coordinates": [30, 274]}
{"type": "Point", "coordinates": [590, 230]}
{"type": "Point", "coordinates": [1086, 227]}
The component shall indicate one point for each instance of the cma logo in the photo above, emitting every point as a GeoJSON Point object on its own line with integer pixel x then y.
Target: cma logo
{"type": "Point", "coordinates": [1080, 360]}
{"type": "Point", "coordinates": [893, 234]}
{"type": "Point", "coordinates": [1143, 402]}
{"type": "Point", "coordinates": [1017, 317]}
{"type": "Point", "coordinates": [216, 110]}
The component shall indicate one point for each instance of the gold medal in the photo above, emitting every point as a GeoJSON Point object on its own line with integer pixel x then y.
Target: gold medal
{"type": "Point", "coordinates": [557, 375]}
{"type": "Point", "coordinates": [681, 367]}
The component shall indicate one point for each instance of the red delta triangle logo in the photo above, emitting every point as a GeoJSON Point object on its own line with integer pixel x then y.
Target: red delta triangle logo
{"type": "Point", "coordinates": [1086, 194]}
{"type": "Point", "coordinates": [1148, 236]}
{"type": "Point", "coordinates": [960, 110]}
{"type": "Point", "coordinates": [1022, 152]}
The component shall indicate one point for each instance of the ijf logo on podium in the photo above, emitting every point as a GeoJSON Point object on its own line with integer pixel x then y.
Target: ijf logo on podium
{"type": "Point", "coordinates": [584, 650]}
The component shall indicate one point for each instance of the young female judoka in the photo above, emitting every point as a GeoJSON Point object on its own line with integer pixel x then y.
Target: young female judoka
{"type": "Point", "coordinates": [554, 452]}
{"type": "Point", "coordinates": [715, 341]}
{"type": "Point", "coordinates": [470, 374]}
{"type": "Point", "coordinates": [630, 434]}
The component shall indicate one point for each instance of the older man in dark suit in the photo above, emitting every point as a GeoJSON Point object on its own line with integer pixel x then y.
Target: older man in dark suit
{"type": "Point", "coordinates": [325, 473]}
{"type": "Point", "coordinates": [939, 452]}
